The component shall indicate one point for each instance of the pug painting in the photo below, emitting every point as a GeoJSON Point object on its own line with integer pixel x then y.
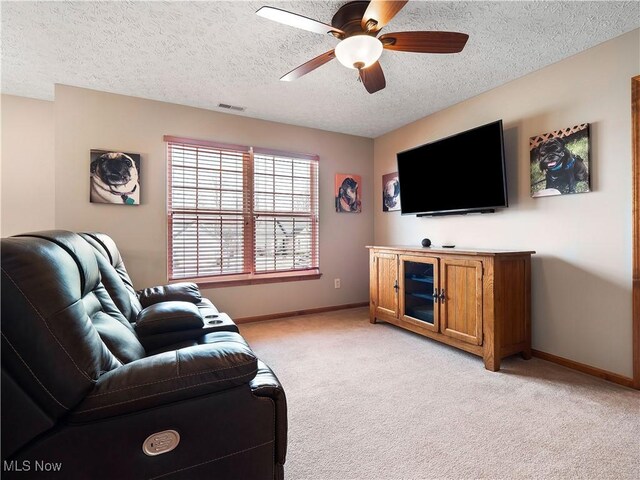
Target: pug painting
{"type": "Point", "coordinates": [560, 162]}
{"type": "Point", "coordinates": [390, 192]}
{"type": "Point", "coordinates": [115, 177]}
{"type": "Point", "coordinates": [347, 193]}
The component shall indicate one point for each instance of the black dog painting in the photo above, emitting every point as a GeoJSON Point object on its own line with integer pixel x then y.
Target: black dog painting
{"type": "Point", "coordinates": [115, 177]}
{"type": "Point", "coordinates": [390, 192]}
{"type": "Point", "coordinates": [348, 192]}
{"type": "Point", "coordinates": [560, 162]}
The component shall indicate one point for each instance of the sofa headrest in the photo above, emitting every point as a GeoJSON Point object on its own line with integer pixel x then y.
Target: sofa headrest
{"type": "Point", "coordinates": [114, 274]}
{"type": "Point", "coordinates": [81, 252]}
{"type": "Point", "coordinates": [97, 246]}
{"type": "Point", "coordinates": [104, 243]}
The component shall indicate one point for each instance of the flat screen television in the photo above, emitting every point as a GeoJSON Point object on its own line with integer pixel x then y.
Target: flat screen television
{"type": "Point", "coordinates": [463, 173]}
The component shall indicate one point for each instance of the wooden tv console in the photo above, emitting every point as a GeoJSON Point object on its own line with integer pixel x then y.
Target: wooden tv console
{"type": "Point", "coordinates": [475, 300]}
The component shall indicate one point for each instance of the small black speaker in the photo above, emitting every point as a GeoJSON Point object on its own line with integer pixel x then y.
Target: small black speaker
{"type": "Point", "coordinates": [426, 242]}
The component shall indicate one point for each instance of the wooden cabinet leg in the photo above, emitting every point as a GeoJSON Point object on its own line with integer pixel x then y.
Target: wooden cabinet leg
{"type": "Point", "coordinates": [526, 354]}
{"type": "Point", "coordinates": [492, 364]}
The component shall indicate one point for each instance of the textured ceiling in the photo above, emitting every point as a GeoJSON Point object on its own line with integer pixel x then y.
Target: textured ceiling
{"type": "Point", "coordinates": [204, 53]}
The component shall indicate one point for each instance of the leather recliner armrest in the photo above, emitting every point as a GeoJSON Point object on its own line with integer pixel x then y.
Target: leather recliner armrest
{"type": "Point", "coordinates": [183, 292]}
{"type": "Point", "coordinates": [167, 377]}
{"type": "Point", "coordinates": [168, 317]}
{"type": "Point", "coordinates": [266, 384]}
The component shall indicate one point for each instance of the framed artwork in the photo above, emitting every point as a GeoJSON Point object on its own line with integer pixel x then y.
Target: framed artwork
{"type": "Point", "coordinates": [390, 192]}
{"type": "Point", "coordinates": [114, 177]}
{"type": "Point", "coordinates": [348, 192]}
{"type": "Point", "coordinates": [560, 162]}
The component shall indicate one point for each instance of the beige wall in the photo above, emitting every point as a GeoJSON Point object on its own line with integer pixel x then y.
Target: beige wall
{"type": "Point", "coordinates": [86, 119]}
{"type": "Point", "coordinates": [28, 188]}
{"type": "Point", "coordinates": [582, 271]}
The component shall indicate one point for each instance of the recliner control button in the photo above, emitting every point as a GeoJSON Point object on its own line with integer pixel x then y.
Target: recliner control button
{"type": "Point", "coordinates": [161, 442]}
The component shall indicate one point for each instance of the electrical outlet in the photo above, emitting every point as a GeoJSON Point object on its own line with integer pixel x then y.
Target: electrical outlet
{"type": "Point", "coordinates": [336, 283]}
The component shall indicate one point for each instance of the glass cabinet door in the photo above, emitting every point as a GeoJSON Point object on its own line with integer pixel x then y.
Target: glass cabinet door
{"type": "Point", "coordinates": [419, 297]}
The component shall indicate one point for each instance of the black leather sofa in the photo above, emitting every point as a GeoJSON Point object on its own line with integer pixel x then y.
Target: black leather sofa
{"type": "Point", "coordinates": [101, 381]}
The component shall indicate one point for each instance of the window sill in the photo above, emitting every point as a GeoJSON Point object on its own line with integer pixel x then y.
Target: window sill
{"type": "Point", "coordinates": [245, 279]}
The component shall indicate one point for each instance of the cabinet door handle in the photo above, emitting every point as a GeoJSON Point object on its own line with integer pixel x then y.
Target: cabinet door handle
{"type": "Point", "coordinates": [442, 296]}
{"type": "Point", "coordinates": [396, 287]}
{"type": "Point", "coordinates": [435, 295]}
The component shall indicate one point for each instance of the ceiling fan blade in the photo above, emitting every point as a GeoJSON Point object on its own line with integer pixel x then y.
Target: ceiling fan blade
{"type": "Point", "coordinates": [308, 66]}
{"type": "Point", "coordinates": [373, 78]}
{"type": "Point", "coordinates": [295, 20]}
{"type": "Point", "coordinates": [425, 42]}
{"type": "Point", "coordinates": [381, 12]}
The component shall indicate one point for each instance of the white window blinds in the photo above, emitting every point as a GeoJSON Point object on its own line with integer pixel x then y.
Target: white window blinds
{"type": "Point", "coordinates": [237, 212]}
{"type": "Point", "coordinates": [285, 209]}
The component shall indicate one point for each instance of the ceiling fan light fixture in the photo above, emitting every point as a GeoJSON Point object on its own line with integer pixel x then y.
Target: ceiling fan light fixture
{"type": "Point", "coordinates": [359, 51]}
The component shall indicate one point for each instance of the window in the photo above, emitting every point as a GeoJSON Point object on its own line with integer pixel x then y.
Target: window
{"type": "Point", "coordinates": [240, 214]}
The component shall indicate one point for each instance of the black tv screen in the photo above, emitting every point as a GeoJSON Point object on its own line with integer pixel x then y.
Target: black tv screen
{"type": "Point", "coordinates": [459, 174]}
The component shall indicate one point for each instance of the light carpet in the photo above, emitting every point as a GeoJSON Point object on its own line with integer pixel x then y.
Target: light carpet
{"type": "Point", "coordinates": [377, 402]}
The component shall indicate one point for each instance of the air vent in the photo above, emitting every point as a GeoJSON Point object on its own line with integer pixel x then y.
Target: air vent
{"type": "Point", "coordinates": [231, 107]}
